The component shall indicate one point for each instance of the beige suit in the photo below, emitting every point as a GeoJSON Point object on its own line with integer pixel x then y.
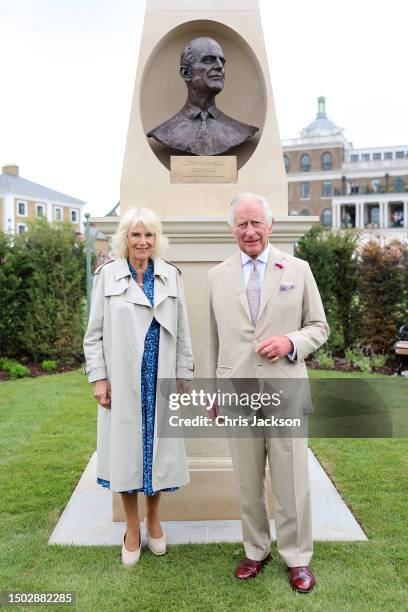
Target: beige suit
{"type": "Point", "coordinates": [120, 317]}
{"type": "Point", "coordinates": [290, 306]}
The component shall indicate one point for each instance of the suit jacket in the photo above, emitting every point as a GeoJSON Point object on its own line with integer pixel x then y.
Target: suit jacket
{"type": "Point", "coordinates": [291, 306]}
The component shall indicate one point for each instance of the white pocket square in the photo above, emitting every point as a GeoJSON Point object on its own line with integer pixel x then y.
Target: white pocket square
{"type": "Point", "coordinates": [287, 286]}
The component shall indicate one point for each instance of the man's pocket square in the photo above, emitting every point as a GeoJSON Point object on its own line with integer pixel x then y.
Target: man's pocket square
{"type": "Point", "coordinates": [287, 286]}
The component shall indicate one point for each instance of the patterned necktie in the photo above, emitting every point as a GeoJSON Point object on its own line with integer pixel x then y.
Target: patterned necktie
{"type": "Point", "coordinates": [204, 140]}
{"type": "Point", "coordinates": [254, 293]}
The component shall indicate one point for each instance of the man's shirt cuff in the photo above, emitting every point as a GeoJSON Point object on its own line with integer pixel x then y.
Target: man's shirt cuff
{"type": "Point", "coordinates": [292, 356]}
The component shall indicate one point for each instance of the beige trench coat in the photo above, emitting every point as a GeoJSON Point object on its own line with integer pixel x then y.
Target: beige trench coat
{"type": "Point", "coordinates": [118, 323]}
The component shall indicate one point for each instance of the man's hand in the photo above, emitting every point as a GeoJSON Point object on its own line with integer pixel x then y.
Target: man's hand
{"type": "Point", "coordinates": [102, 393]}
{"type": "Point", "coordinates": [275, 347]}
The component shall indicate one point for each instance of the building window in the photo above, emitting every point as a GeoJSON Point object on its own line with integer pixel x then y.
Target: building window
{"type": "Point", "coordinates": [399, 155]}
{"type": "Point", "coordinates": [348, 216]}
{"type": "Point", "coordinates": [377, 156]}
{"type": "Point", "coordinates": [326, 189]}
{"type": "Point", "coordinates": [40, 210]}
{"type": "Point", "coordinates": [376, 185]}
{"type": "Point", "coordinates": [287, 162]}
{"type": "Point", "coordinates": [21, 228]}
{"type": "Point", "coordinates": [355, 157]}
{"type": "Point", "coordinates": [327, 217]}
{"type": "Point", "coordinates": [388, 155]}
{"type": "Point", "coordinates": [305, 212]}
{"type": "Point", "coordinates": [305, 163]}
{"type": "Point", "coordinates": [22, 209]}
{"type": "Point", "coordinates": [396, 215]}
{"type": "Point", "coordinates": [372, 216]}
{"type": "Point", "coordinates": [74, 216]}
{"type": "Point", "coordinates": [365, 157]}
{"type": "Point", "coordinates": [327, 161]}
{"type": "Point", "coordinates": [304, 191]}
{"type": "Point", "coordinates": [399, 184]}
{"type": "Point", "coordinates": [58, 213]}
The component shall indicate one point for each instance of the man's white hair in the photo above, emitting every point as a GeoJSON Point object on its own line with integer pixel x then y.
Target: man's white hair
{"type": "Point", "coordinates": [267, 211]}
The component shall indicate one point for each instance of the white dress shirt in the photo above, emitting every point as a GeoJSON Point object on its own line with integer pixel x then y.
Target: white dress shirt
{"type": "Point", "coordinates": [262, 260]}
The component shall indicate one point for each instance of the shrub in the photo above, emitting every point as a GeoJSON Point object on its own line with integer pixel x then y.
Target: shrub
{"type": "Point", "coordinates": [381, 288]}
{"type": "Point", "coordinates": [323, 359]}
{"type": "Point", "coordinates": [18, 371]}
{"type": "Point", "coordinates": [49, 365]}
{"type": "Point", "coordinates": [5, 364]}
{"type": "Point", "coordinates": [359, 360]}
{"type": "Point", "coordinates": [42, 286]}
{"type": "Point", "coordinates": [15, 369]}
{"type": "Point", "coordinates": [404, 262]}
{"type": "Point", "coordinates": [335, 267]}
{"type": "Point", "coordinates": [379, 360]}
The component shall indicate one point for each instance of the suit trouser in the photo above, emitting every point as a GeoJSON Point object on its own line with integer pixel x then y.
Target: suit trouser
{"type": "Point", "coordinates": [288, 467]}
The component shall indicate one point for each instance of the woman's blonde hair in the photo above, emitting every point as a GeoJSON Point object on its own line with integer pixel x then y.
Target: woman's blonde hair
{"type": "Point", "coordinates": [151, 222]}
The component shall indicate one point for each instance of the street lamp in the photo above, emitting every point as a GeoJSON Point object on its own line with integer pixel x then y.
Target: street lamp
{"type": "Point", "coordinates": [88, 261]}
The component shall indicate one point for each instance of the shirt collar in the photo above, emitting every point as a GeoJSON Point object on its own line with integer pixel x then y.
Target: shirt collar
{"type": "Point", "coordinates": [263, 257]}
{"type": "Point", "coordinates": [191, 111]}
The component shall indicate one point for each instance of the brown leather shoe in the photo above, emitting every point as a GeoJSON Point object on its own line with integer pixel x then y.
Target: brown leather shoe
{"type": "Point", "coordinates": [248, 568]}
{"type": "Point", "coordinates": [301, 579]}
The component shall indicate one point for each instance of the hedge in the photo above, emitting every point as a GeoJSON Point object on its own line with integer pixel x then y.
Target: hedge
{"type": "Point", "coordinates": [364, 288]}
{"type": "Point", "coordinates": [42, 289]}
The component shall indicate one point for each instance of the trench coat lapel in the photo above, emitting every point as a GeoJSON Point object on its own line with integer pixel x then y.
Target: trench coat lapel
{"type": "Point", "coordinates": [161, 283]}
{"type": "Point", "coordinates": [273, 274]}
{"type": "Point", "coordinates": [236, 279]}
{"type": "Point", "coordinates": [133, 293]}
{"type": "Point", "coordinates": [164, 290]}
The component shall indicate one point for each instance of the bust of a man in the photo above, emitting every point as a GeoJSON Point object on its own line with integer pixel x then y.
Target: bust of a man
{"type": "Point", "coordinates": [200, 128]}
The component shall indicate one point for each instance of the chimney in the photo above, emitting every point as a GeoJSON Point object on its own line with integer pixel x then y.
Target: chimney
{"type": "Point", "coordinates": [11, 169]}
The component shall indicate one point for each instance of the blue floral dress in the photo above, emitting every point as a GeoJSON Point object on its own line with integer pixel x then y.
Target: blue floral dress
{"type": "Point", "coordinates": [150, 362]}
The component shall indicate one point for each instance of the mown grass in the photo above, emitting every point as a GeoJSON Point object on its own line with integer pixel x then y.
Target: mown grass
{"type": "Point", "coordinates": [47, 430]}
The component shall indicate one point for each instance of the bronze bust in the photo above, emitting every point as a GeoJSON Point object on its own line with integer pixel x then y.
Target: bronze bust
{"type": "Point", "coordinates": [200, 128]}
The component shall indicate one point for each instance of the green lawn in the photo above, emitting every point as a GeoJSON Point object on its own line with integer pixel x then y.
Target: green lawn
{"type": "Point", "coordinates": [47, 430]}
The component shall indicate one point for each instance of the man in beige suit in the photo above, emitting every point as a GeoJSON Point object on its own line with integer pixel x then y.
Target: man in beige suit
{"type": "Point", "coordinates": [266, 317]}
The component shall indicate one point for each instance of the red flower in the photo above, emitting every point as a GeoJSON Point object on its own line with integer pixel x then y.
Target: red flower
{"type": "Point", "coordinates": [279, 265]}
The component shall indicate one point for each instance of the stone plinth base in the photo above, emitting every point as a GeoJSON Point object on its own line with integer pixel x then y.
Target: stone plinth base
{"type": "Point", "coordinates": [211, 495]}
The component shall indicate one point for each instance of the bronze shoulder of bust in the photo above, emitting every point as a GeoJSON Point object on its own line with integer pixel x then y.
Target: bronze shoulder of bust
{"type": "Point", "coordinates": [199, 128]}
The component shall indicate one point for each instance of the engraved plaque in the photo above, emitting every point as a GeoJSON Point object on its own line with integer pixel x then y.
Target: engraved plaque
{"type": "Point", "coordinates": [203, 169]}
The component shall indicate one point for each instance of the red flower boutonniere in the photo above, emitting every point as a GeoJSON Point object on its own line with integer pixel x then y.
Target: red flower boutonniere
{"type": "Point", "coordinates": [279, 265]}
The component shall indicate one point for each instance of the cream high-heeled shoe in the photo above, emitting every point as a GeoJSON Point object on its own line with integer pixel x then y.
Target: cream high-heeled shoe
{"type": "Point", "coordinates": [156, 545]}
{"type": "Point", "coordinates": [131, 557]}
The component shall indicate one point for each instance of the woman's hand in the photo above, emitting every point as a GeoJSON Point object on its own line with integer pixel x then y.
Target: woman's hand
{"type": "Point", "coordinates": [102, 393]}
{"type": "Point", "coordinates": [182, 385]}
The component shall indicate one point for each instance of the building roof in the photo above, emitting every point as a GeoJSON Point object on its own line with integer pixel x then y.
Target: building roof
{"type": "Point", "coordinates": [97, 234]}
{"type": "Point", "coordinates": [322, 125]}
{"type": "Point", "coordinates": [16, 184]}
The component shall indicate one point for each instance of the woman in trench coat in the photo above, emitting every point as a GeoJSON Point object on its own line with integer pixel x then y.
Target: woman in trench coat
{"type": "Point", "coordinates": [137, 334]}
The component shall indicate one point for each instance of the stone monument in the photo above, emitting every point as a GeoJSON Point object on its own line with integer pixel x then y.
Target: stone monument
{"type": "Point", "coordinates": [193, 201]}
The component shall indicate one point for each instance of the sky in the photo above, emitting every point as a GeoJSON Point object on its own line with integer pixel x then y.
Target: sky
{"type": "Point", "coordinates": [67, 72]}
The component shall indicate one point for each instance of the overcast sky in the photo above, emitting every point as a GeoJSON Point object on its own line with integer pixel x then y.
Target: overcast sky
{"type": "Point", "coordinates": [68, 67]}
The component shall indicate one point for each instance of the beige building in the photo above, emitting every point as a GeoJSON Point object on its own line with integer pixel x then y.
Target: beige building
{"type": "Point", "coordinates": [22, 201]}
{"type": "Point", "coordinates": [344, 186]}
